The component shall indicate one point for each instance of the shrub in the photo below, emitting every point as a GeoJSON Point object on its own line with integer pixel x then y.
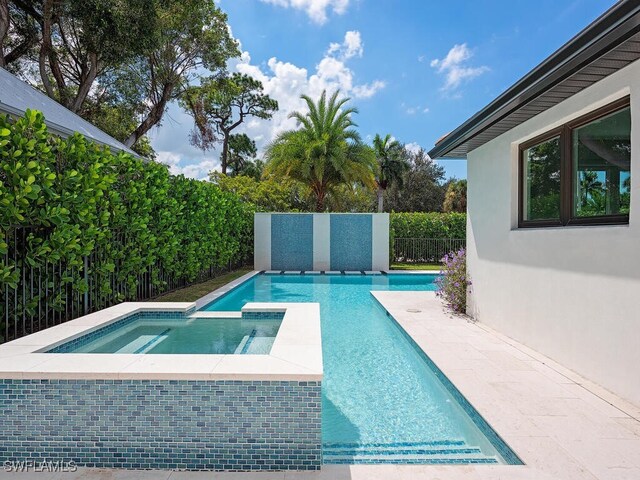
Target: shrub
{"type": "Point", "coordinates": [137, 222]}
{"type": "Point", "coordinates": [428, 225]}
{"type": "Point", "coordinates": [453, 283]}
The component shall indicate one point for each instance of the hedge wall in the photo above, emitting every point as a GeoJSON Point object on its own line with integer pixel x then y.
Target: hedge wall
{"type": "Point", "coordinates": [428, 225]}
{"type": "Point", "coordinates": [74, 199]}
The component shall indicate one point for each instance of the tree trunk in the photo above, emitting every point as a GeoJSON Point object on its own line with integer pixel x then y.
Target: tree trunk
{"type": "Point", "coordinates": [380, 200]}
{"type": "Point", "coordinates": [225, 152]}
{"type": "Point", "coordinates": [153, 118]}
{"type": "Point", "coordinates": [4, 28]}
{"type": "Point", "coordinates": [320, 194]}
{"type": "Point", "coordinates": [47, 53]}
{"type": "Point", "coordinates": [86, 83]}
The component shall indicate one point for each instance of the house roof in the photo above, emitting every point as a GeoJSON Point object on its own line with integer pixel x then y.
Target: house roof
{"type": "Point", "coordinates": [17, 96]}
{"type": "Point", "coordinates": [610, 43]}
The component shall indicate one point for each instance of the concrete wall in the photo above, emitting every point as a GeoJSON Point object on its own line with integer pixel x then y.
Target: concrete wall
{"type": "Point", "coordinates": [572, 293]}
{"type": "Point", "coordinates": [321, 241]}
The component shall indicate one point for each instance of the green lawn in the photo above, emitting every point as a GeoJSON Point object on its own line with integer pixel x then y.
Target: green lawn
{"type": "Point", "coordinates": [194, 292]}
{"type": "Point", "coordinates": [416, 266]}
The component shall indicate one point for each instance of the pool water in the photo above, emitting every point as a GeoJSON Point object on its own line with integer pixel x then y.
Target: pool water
{"type": "Point", "coordinates": [181, 335]}
{"type": "Point", "coordinates": [383, 400]}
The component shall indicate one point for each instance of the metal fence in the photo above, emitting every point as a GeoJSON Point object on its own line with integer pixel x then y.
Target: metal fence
{"type": "Point", "coordinates": [424, 250]}
{"type": "Point", "coordinates": [44, 295]}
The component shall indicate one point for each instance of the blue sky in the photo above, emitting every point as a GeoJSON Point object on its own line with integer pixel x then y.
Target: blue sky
{"type": "Point", "coordinates": [414, 69]}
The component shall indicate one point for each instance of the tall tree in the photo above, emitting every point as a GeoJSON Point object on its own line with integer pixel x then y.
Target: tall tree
{"type": "Point", "coordinates": [127, 58]}
{"type": "Point", "coordinates": [78, 40]}
{"type": "Point", "coordinates": [221, 104]}
{"type": "Point", "coordinates": [19, 33]}
{"type": "Point", "coordinates": [192, 34]}
{"type": "Point", "coordinates": [455, 198]}
{"type": "Point", "coordinates": [392, 163]}
{"type": "Point", "coordinates": [422, 189]}
{"type": "Point", "coordinates": [5, 25]}
{"type": "Point", "coordinates": [325, 151]}
{"type": "Point", "coordinates": [242, 157]}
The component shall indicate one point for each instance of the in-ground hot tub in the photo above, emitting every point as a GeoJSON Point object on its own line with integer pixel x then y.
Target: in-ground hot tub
{"type": "Point", "coordinates": [255, 405]}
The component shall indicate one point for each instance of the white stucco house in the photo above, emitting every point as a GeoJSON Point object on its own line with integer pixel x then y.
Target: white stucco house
{"type": "Point", "coordinates": [554, 204]}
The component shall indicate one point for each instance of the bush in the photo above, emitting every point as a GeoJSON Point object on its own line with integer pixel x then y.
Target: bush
{"type": "Point", "coordinates": [453, 282]}
{"type": "Point", "coordinates": [77, 199]}
{"type": "Point", "coordinates": [428, 225]}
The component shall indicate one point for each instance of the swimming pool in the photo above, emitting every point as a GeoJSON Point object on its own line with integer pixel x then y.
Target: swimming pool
{"type": "Point", "coordinates": [383, 400]}
{"type": "Point", "coordinates": [153, 333]}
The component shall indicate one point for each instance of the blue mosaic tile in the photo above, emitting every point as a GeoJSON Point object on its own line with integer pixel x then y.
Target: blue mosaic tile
{"type": "Point", "coordinates": [351, 237]}
{"type": "Point", "coordinates": [163, 424]}
{"type": "Point", "coordinates": [292, 242]}
{"type": "Point", "coordinates": [262, 315]}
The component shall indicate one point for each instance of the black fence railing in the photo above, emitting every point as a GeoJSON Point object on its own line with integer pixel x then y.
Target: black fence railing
{"type": "Point", "coordinates": [40, 295]}
{"type": "Point", "coordinates": [424, 250]}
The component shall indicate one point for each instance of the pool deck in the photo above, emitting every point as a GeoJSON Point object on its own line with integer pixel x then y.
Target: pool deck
{"type": "Point", "coordinates": [561, 425]}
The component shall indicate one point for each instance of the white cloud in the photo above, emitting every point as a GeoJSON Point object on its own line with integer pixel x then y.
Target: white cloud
{"type": "Point", "coordinates": [454, 67]}
{"type": "Point", "coordinates": [315, 9]}
{"type": "Point", "coordinates": [286, 82]}
{"type": "Point", "coordinates": [413, 109]}
{"type": "Point", "coordinates": [352, 46]}
{"type": "Point", "coordinates": [199, 170]}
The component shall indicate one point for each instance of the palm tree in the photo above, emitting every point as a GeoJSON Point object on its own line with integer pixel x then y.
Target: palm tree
{"type": "Point", "coordinates": [589, 185]}
{"type": "Point", "coordinates": [392, 163]}
{"type": "Point", "coordinates": [325, 151]}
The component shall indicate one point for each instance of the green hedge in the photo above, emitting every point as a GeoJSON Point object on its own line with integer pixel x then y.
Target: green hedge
{"type": "Point", "coordinates": [428, 225]}
{"type": "Point", "coordinates": [78, 199]}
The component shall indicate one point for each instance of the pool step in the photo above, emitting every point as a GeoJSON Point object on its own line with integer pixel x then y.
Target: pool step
{"type": "Point", "coordinates": [438, 452]}
{"type": "Point", "coordinates": [144, 343]}
{"type": "Point", "coordinates": [252, 345]}
{"type": "Point", "coordinates": [260, 346]}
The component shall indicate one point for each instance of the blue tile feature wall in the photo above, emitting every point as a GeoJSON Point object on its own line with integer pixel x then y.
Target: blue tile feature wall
{"type": "Point", "coordinates": [351, 242]}
{"type": "Point", "coordinates": [163, 424]}
{"type": "Point", "coordinates": [292, 242]}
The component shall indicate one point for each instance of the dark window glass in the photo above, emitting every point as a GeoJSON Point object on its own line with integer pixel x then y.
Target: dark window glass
{"type": "Point", "coordinates": [601, 166]}
{"type": "Point", "coordinates": [541, 165]}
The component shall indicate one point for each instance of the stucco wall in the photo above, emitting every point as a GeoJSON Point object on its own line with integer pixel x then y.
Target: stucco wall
{"type": "Point", "coordinates": [321, 241]}
{"type": "Point", "coordinates": [572, 293]}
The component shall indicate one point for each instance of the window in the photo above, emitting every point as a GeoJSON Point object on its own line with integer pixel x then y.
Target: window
{"type": "Point", "coordinates": [580, 173]}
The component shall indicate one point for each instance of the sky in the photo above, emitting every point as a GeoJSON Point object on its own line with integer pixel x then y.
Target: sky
{"type": "Point", "coordinates": [415, 69]}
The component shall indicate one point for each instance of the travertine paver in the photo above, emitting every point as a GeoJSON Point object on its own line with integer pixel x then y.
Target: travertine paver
{"type": "Point", "coordinates": [563, 426]}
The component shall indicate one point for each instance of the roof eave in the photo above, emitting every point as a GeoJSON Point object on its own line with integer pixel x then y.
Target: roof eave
{"type": "Point", "coordinates": [63, 131]}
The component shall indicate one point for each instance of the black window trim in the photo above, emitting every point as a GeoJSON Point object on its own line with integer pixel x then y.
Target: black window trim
{"type": "Point", "coordinates": [566, 172]}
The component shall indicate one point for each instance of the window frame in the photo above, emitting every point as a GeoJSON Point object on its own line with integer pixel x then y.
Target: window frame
{"type": "Point", "coordinates": [564, 132]}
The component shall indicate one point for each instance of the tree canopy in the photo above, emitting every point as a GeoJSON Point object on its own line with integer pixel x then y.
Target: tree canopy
{"type": "Point", "coordinates": [391, 158]}
{"type": "Point", "coordinates": [221, 104]}
{"type": "Point", "coordinates": [422, 188]}
{"type": "Point", "coordinates": [325, 151]}
{"type": "Point", "coordinates": [109, 60]}
{"type": "Point", "coordinates": [455, 198]}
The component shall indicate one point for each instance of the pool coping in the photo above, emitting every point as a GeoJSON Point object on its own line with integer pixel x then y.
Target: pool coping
{"type": "Point", "coordinates": [223, 290]}
{"type": "Point", "coordinates": [296, 354]}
